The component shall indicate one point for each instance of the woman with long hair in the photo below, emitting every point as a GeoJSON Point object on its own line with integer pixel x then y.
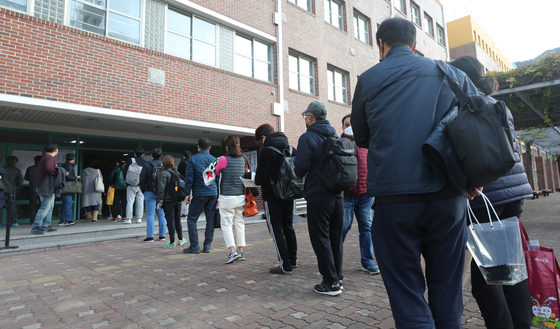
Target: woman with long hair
{"type": "Point", "coordinates": [232, 197]}
{"type": "Point", "coordinates": [167, 186]}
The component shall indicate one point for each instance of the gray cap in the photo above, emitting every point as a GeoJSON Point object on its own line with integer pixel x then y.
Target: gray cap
{"type": "Point", "coordinates": [316, 108]}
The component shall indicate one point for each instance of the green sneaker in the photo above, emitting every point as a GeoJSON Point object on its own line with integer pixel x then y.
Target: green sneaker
{"type": "Point", "coordinates": [170, 245]}
{"type": "Point", "coordinates": [182, 242]}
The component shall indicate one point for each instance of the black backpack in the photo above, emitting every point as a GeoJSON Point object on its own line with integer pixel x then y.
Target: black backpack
{"type": "Point", "coordinates": [175, 188]}
{"type": "Point", "coordinates": [154, 178]}
{"type": "Point", "coordinates": [287, 186]}
{"type": "Point", "coordinates": [338, 169]}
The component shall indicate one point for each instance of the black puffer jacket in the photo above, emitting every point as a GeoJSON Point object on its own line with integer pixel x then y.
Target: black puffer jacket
{"type": "Point", "coordinates": [269, 164]}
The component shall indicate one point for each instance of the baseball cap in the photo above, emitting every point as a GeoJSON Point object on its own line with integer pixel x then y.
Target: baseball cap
{"type": "Point", "coordinates": [316, 108]}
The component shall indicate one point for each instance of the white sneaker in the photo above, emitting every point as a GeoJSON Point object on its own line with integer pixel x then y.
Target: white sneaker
{"type": "Point", "coordinates": [139, 220]}
{"type": "Point", "coordinates": [127, 221]}
{"type": "Point", "coordinates": [119, 217]}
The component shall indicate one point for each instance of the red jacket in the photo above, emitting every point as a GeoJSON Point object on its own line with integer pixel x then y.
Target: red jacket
{"type": "Point", "coordinates": [360, 187]}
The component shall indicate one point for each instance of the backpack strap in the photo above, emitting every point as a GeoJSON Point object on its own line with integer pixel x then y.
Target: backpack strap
{"type": "Point", "coordinates": [133, 160]}
{"type": "Point", "coordinates": [463, 99]}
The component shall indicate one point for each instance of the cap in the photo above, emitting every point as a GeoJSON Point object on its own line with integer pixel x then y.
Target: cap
{"type": "Point", "coordinates": [316, 108]}
{"type": "Point", "coordinates": [471, 66]}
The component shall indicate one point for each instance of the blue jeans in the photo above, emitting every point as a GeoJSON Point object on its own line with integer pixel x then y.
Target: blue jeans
{"type": "Point", "coordinates": [151, 203]}
{"type": "Point", "coordinates": [361, 206]}
{"type": "Point", "coordinates": [44, 214]}
{"type": "Point", "coordinates": [66, 213]}
{"type": "Point", "coordinates": [92, 208]}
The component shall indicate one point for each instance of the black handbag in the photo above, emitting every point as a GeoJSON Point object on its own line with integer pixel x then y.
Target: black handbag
{"type": "Point", "coordinates": [480, 136]}
{"type": "Point", "coordinates": [73, 187]}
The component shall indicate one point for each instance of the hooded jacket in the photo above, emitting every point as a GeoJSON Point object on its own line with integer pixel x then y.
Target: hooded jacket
{"type": "Point", "coordinates": [308, 159]}
{"type": "Point", "coordinates": [269, 164]}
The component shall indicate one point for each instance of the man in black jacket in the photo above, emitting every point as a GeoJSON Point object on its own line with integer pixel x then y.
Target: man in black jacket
{"type": "Point", "coordinates": [279, 213]}
{"type": "Point", "coordinates": [136, 192]}
{"type": "Point", "coordinates": [32, 175]}
{"type": "Point", "coordinates": [325, 209]}
{"type": "Point", "coordinates": [66, 213]}
{"type": "Point", "coordinates": [182, 167]}
{"type": "Point", "coordinates": [12, 182]}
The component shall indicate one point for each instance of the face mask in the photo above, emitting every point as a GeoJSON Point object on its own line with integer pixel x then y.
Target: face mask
{"type": "Point", "coordinates": [348, 131]}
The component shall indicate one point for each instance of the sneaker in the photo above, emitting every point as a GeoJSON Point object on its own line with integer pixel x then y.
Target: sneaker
{"type": "Point", "coordinates": [326, 289]}
{"type": "Point", "coordinates": [61, 223]}
{"type": "Point", "coordinates": [49, 230]}
{"type": "Point", "coordinates": [36, 231]}
{"type": "Point", "coordinates": [372, 269]}
{"type": "Point", "coordinates": [241, 256]}
{"type": "Point", "coordinates": [139, 220]}
{"type": "Point", "coordinates": [114, 220]}
{"type": "Point", "coordinates": [182, 242]}
{"type": "Point", "coordinates": [15, 224]}
{"type": "Point", "coordinates": [170, 245]}
{"type": "Point", "coordinates": [206, 249]}
{"type": "Point", "coordinates": [340, 283]}
{"type": "Point", "coordinates": [148, 240]}
{"type": "Point", "coordinates": [71, 223]}
{"type": "Point", "coordinates": [127, 221]}
{"type": "Point", "coordinates": [192, 250]}
{"type": "Point", "coordinates": [279, 270]}
{"type": "Point", "coordinates": [232, 257]}
{"type": "Point", "coordinates": [119, 217]}
{"type": "Point", "coordinates": [161, 238]}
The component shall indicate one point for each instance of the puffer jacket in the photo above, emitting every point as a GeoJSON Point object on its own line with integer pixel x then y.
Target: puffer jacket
{"type": "Point", "coordinates": [514, 185]}
{"type": "Point", "coordinates": [361, 185]}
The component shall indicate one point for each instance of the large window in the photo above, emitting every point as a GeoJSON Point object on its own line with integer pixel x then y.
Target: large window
{"type": "Point", "coordinates": [252, 58]}
{"type": "Point", "coordinates": [113, 18]}
{"type": "Point", "coordinates": [19, 5]}
{"type": "Point", "coordinates": [429, 24]}
{"type": "Point", "coordinates": [361, 28]}
{"type": "Point", "coordinates": [336, 82]}
{"type": "Point", "coordinates": [305, 4]}
{"type": "Point", "coordinates": [440, 35]}
{"type": "Point", "coordinates": [191, 38]}
{"type": "Point", "coordinates": [333, 13]}
{"type": "Point", "coordinates": [302, 74]}
{"type": "Point", "coordinates": [415, 13]}
{"type": "Point", "coordinates": [402, 6]}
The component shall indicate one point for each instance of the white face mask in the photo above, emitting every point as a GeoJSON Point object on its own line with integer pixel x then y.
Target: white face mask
{"type": "Point", "coordinates": [348, 131]}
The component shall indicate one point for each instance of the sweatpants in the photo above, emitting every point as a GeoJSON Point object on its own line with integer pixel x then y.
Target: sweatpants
{"type": "Point", "coordinates": [172, 212]}
{"type": "Point", "coordinates": [280, 221]}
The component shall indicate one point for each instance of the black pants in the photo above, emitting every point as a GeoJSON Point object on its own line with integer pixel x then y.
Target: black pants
{"type": "Point", "coordinates": [325, 219]}
{"type": "Point", "coordinates": [119, 204]}
{"type": "Point", "coordinates": [280, 220]}
{"type": "Point", "coordinates": [11, 209]}
{"type": "Point", "coordinates": [33, 198]}
{"type": "Point", "coordinates": [172, 212]}
{"type": "Point", "coordinates": [501, 306]}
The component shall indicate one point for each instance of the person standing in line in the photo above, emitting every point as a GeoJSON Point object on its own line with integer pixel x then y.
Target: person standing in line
{"type": "Point", "coordinates": [204, 197]}
{"type": "Point", "coordinates": [325, 209]}
{"type": "Point", "coordinates": [182, 168]}
{"type": "Point", "coordinates": [357, 202]}
{"type": "Point", "coordinates": [66, 213]}
{"type": "Point", "coordinates": [501, 306]}
{"type": "Point", "coordinates": [419, 211]}
{"type": "Point", "coordinates": [47, 167]}
{"type": "Point", "coordinates": [117, 181]}
{"type": "Point", "coordinates": [171, 206]}
{"type": "Point", "coordinates": [13, 179]}
{"type": "Point", "coordinates": [232, 197]}
{"type": "Point", "coordinates": [136, 192]}
{"type": "Point", "coordinates": [31, 175]}
{"type": "Point", "coordinates": [2, 199]}
{"type": "Point", "coordinates": [91, 199]}
{"type": "Point", "coordinates": [150, 196]}
{"type": "Point", "coordinates": [279, 213]}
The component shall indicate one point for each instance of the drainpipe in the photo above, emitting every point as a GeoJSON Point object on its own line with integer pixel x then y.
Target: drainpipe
{"type": "Point", "coordinates": [445, 34]}
{"type": "Point", "coordinates": [392, 5]}
{"type": "Point", "coordinates": [278, 108]}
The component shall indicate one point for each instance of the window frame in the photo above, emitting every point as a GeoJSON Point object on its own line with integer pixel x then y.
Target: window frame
{"type": "Point", "coordinates": [28, 10]}
{"type": "Point", "coordinates": [356, 21]}
{"type": "Point", "coordinates": [253, 59]}
{"type": "Point", "coordinates": [108, 10]}
{"type": "Point", "coordinates": [413, 6]}
{"type": "Point", "coordinates": [334, 71]}
{"type": "Point", "coordinates": [340, 16]}
{"type": "Point", "coordinates": [308, 7]}
{"type": "Point", "coordinates": [439, 28]}
{"type": "Point", "coordinates": [429, 25]}
{"type": "Point", "coordinates": [299, 57]}
{"type": "Point", "coordinates": [402, 7]}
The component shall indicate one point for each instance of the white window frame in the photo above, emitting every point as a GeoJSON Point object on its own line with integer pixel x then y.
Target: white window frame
{"type": "Point", "coordinates": [361, 34]}
{"type": "Point", "coordinates": [191, 37]}
{"type": "Point", "coordinates": [253, 59]}
{"type": "Point", "coordinates": [331, 15]}
{"type": "Point", "coordinates": [304, 4]}
{"type": "Point", "coordinates": [299, 74]}
{"type": "Point", "coordinates": [402, 6]}
{"type": "Point", "coordinates": [438, 29]}
{"type": "Point", "coordinates": [141, 19]}
{"type": "Point", "coordinates": [415, 19]}
{"type": "Point", "coordinates": [29, 10]}
{"type": "Point", "coordinates": [429, 22]}
{"type": "Point", "coordinates": [332, 72]}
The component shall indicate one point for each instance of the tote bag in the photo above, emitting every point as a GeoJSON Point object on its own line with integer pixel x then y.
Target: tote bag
{"type": "Point", "coordinates": [99, 186]}
{"type": "Point", "coordinates": [110, 196]}
{"type": "Point", "coordinates": [72, 187]}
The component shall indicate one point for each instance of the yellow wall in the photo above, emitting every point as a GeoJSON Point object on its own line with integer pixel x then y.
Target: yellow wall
{"type": "Point", "coordinates": [464, 31]}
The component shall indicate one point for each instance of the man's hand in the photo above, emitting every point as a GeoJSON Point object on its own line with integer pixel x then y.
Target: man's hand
{"type": "Point", "coordinates": [187, 200]}
{"type": "Point", "coordinates": [67, 173]}
{"type": "Point", "coordinates": [158, 206]}
{"type": "Point", "coordinates": [474, 192]}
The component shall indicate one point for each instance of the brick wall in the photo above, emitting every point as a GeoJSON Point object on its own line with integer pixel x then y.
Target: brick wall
{"type": "Point", "coordinates": [465, 50]}
{"type": "Point", "coordinates": [550, 175]}
{"type": "Point", "coordinates": [530, 175]}
{"type": "Point", "coordinates": [540, 163]}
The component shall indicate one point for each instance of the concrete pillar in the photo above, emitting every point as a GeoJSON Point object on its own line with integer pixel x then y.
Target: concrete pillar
{"type": "Point", "coordinates": [549, 175]}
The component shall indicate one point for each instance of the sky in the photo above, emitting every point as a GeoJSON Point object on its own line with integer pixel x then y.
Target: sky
{"type": "Point", "coordinates": [522, 30]}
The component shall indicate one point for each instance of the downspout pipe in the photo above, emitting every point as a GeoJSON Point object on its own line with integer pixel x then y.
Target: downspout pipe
{"type": "Point", "coordinates": [392, 5]}
{"type": "Point", "coordinates": [279, 62]}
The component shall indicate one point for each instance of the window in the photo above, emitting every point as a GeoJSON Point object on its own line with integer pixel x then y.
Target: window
{"type": "Point", "coordinates": [191, 38]}
{"type": "Point", "coordinates": [301, 74]}
{"type": "Point", "coordinates": [429, 24]}
{"type": "Point", "coordinates": [361, 28]}
{"type": "Point", "coordinates": [336, 81]}
{"type": "Point", "coordinates": [305, 4]}
{"type": "Point", "coordinates": [440, 35]}
{"type": "Point", "coordinates": [415, 13]}
{"type": "Point", "coordinates": [333, 13]}
{"type": "Point", "coordinates": [19, 5]}
{"type": "Point", "coordinates": [113, 18]}
{"type": "Point", "coordinates": [402, 6]}
{"type": "Point", "coordinates": [252, 58]}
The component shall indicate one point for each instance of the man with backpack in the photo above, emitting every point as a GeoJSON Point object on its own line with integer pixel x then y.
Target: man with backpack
{"type": "Point", "coordinates": [279, 212]}
{"type": "Point", "coordinates": [325, 209]}
{"type": "Point", "coordinates": [136, 175]}
{"type": "Point", "coordinates": [150, 196]}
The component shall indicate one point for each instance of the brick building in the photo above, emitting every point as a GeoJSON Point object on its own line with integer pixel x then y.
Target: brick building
{"type": "Point", "coordinates": [100, 77]}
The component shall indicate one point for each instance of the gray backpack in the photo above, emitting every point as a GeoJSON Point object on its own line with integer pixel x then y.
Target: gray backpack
{"type": "Point", "coordinates": [133, 173]}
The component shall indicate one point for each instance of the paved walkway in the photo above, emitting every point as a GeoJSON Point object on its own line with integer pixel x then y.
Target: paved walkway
{"type": "Point", "coordinates": [129, 284]}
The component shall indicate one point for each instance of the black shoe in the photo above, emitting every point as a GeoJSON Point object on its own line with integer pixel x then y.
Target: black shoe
{"type": "Point", "coordinates": [62, 224]}
{"type": "Point", "coordinates": [161, 238]}
{"type": "Point", "coordinates": [49, 230]}
{"type": "Point", "coordinates": [36, 231]}
{"type": "Point", "coordinates": [192, 250]}
{"type": "Point", "coordinates": [326, 289]}
{"type": "Point", "coordinates": [148, 240]}
{"type": "Point", "coordinates": [279, 270]}
{"type": "Point", "coordinates": [71, 223]}
{"type": "Point", "coordinates": [206, 249]}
